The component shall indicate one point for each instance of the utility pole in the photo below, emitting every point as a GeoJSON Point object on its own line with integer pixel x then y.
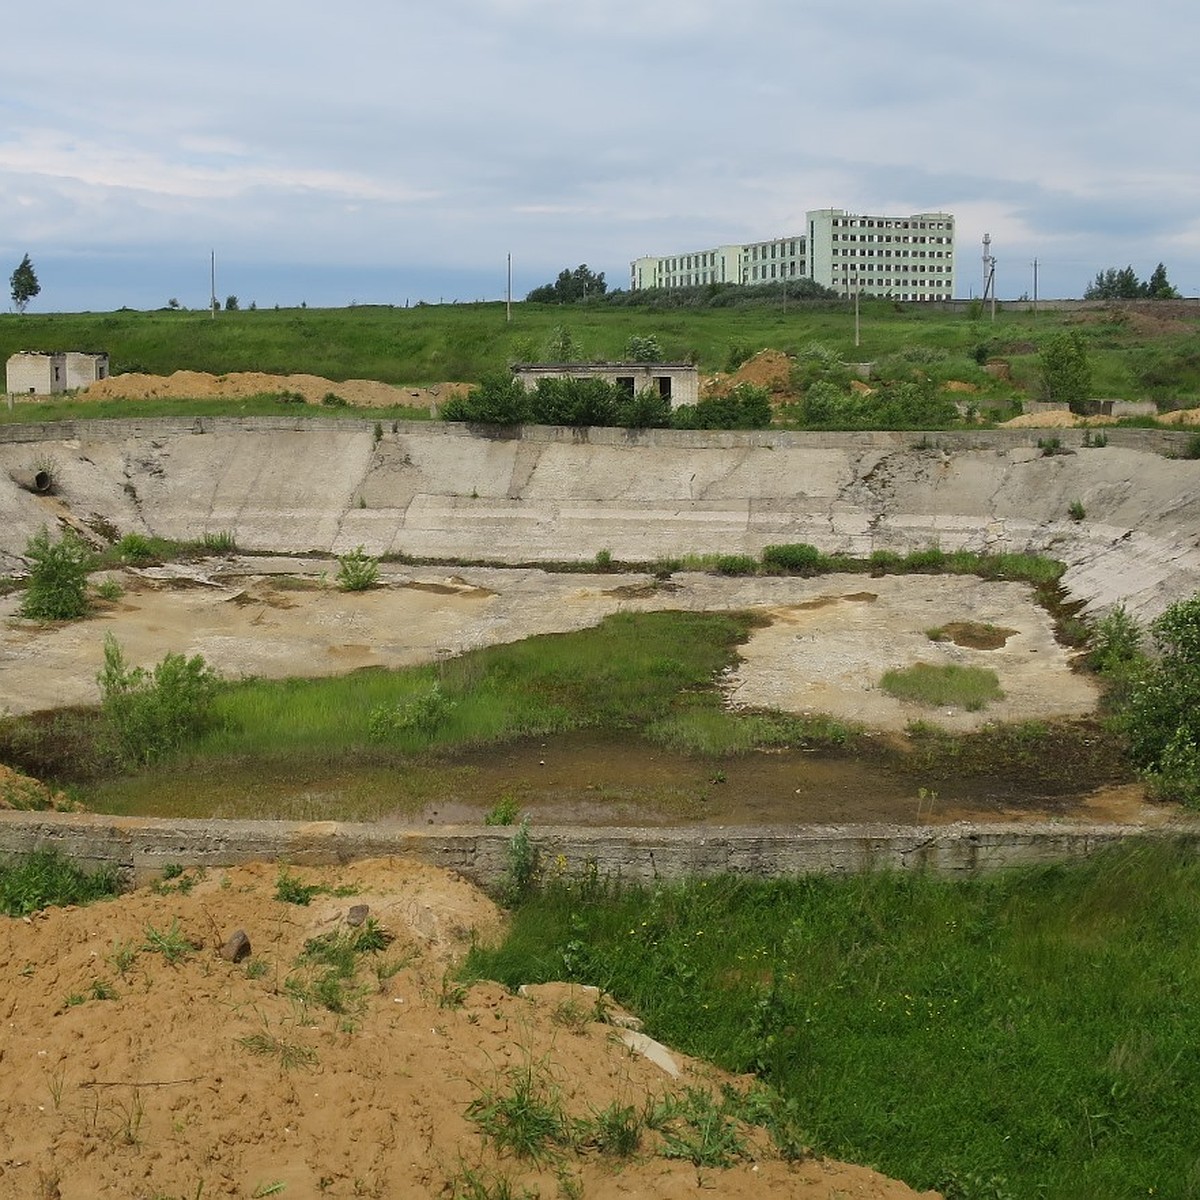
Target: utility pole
{"type": "Point", "coordinates": [508, 303]}
{"type": "Point", "coordinates": [212, 283]}
{"type": "Point", "coordinates": [1035, 266]}
{"type": "Point", "coordinates": [989, 272]}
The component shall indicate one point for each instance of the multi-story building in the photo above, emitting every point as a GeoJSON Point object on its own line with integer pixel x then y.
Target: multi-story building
{"type": "Point", "coordinates": [907, 258]}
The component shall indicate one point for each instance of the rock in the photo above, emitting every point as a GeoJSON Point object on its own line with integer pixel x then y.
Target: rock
{"type": "Point", "coordinates": [236, 947]}
{"type": "Point", "coordinates": [357, 915]}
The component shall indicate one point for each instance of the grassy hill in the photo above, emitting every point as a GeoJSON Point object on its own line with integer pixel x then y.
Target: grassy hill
{"type": "Point", "coordinates": [1146, 350]}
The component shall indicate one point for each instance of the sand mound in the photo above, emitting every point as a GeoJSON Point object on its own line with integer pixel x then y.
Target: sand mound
{"type": "Point", "coordinates": [771, 369]}
{"type": "Point", "coordinates": [200, 385]}
{"type": "Point", "coordinates": [1060, 419]}
{"type": "Point", "coordinates": [137, 1061]}
{"type": "Point", "coordinates": [19, 791]}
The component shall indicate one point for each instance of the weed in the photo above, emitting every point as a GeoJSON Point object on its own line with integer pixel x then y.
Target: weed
{"type": "Point", "coordinates": [524, 1114]}
{"type": "Point", "coordinates": [424, 714]}
{"type": "Point", "coordinates": [45, 878]}
{"type": "Point", "coordinates": [604, 560]}
{"type": "Point", "coordinates": [736, 564]}
{"type": "Point", "coordinates": [702, 1130]}
{"type": "Point", "coordinates": [109, 589]}
{"type": "Point", "coordinates": [476, 1184]}
{"type": "Point", "coordinates": [1076, 510]}
{"type": "Point", "coordinates": [290, 890]}
{"type": "Point", "coordinates": [220, 541]}
{"type": "Point", "coordinates": [357, 571]}
{"type": "Point", "coordinates": [291, 1055]}
{"type": "Point", "coordinates": [521, 874]}
{"type": "Point", "coordinates": [617, 1130]}
{"type": "Point", "coordinates": [333, 400]}
{"type": "Point", "coordinates": [101, 990]}
{"type": "Point", "coordinates": [123, 956]}
{"type": "Point", "coordinates": [797, 557]}
{"type": "Point", "coordinates": [170, 943]}
{"type": "Point", "coordinates": [504, 812]}
{"type": "Point", "coordinates": [451, 994]}
{"type": "Point", "coordinates": [134, 548]}
{"type": "Point", "coordinates": [377, 433]}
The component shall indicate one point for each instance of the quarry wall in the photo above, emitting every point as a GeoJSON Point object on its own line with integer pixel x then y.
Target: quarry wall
{"type": "Point", "coordinates": [538, 494]}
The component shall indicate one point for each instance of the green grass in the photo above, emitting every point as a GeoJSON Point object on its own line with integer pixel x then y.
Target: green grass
{"type": "Point", "coordinates": [435, 343]}
{"type": "Point", "coordinates": [1034, 1028]}
{"type": "Point", "coordinates": [44, 878]}
{"type": "Point", "coordinates": [944, 686]}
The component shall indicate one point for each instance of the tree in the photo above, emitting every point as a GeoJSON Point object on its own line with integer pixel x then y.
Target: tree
{"type": "Point", "coordinates": [231, 304]}
{"type": "Point", "coordinates": [1065, 369]}
{"type": "Point", "coordinates": [1158, 287]}
{"type": "Point", "coordinates": [1124, 284]}
{"type": "Point", "coordinates": [24, 283]}
{"type": "Point", "coordinates": [571, 287]}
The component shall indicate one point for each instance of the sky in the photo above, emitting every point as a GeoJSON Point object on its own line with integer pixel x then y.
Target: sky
{"type": "Point", "coordinates": [393, 151]}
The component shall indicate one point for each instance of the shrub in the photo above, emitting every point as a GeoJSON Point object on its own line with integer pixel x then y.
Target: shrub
{"type": "Point", "coordinates": [357, 571]}
{"type": "Point", "coordinates": [1066, 374]}
{"type": "Point", "coordinates": [58, 572]}
{"type": "Point", "coordinates": [1076, 511]}
{"type": "Point", "coordinates": [1161, 716]}
{"type": "Point", "coordinates": [643, 349]}
{"type": "Point", "coordinates": [152, 713]}
{"type": "Point", "coordinates": [500, 399]}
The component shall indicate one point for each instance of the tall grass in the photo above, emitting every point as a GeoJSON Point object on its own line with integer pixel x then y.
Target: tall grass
{"type": "Point", "coordinates": [1029, 1034]}
{"type": "Point", "coordinates": [45, 878]}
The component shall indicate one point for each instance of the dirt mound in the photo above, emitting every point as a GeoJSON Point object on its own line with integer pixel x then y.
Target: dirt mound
{"type": "Point", "coordinates": [19, 791]}
{"type": "Point", "coordinates": [1057, 419]}
{"type": "Point", "coordinates": [140, 1057]}
{"type": "Point", "coordinates": [200, 385]}
{"type": "Point", "coordinates": [1183, 416]}
{"type": "Point", "coordinates": [771, 369]}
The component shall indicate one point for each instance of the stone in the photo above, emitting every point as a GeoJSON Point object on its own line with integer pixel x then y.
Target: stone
{"type": "Point", "coordinates": [237, 947]}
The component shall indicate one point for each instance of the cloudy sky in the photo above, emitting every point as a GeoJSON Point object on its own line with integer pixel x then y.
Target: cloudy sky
{"type": "Point", "coordinates": [384, 151]}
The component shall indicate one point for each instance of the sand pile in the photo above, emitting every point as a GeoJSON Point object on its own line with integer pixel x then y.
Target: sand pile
{"type": "Point", "coordinates": [200, 385]}
{"type": "Point", "coordinates": [141, 1057]}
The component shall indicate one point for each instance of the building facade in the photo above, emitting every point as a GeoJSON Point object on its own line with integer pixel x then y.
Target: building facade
{"type": "Point", "coordinates": [34, 372]}
{"type": "Point", "coordinates": [906, 258]}
{"type": "Point", "coordinates": [677, 382]}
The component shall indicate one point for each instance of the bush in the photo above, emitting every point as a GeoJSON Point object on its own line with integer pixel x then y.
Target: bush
{"type": "Point", "coordinates": [357, 571]}
{"type": "Point", "coordinates": [58, 573]}
{"type": "Point", "coordinates": [152, 713]}
{"type": "Point", "coordinates": [500, 399]}
{"type": "Point", "coordinates": [1161, 716]}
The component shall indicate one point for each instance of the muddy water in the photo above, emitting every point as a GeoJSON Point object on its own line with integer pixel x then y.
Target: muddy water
{"type": "Point", "coordinates": [592, 780]}
{"type": "Point", "coordinates": [581, 779]}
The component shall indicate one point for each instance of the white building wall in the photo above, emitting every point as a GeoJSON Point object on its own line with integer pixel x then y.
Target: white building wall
{"type": "Point", "coordinates": [906, 257]}
{"type": "Point", "coordinates": [84, 368]}
{"type": "Point", "coordinates": [28, 372]}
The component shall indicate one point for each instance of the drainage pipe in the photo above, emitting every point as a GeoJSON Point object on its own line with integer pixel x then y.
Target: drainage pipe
{"type": "Point", "coordinates": [39, 481]}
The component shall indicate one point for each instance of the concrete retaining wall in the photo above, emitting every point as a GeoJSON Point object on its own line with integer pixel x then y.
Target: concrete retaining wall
{"type": "Point", "coordinates": [546, 494]}
{"type": "Point", "coordinates": [141, 847]}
